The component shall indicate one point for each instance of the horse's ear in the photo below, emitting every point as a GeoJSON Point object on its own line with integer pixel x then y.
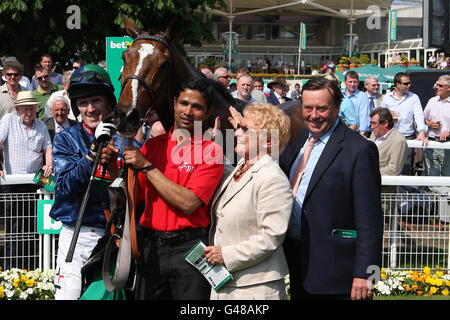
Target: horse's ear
{"type": "Point", "coordinates": [131, 28]}
{"type": "Point", "coordinates": [171, 30]}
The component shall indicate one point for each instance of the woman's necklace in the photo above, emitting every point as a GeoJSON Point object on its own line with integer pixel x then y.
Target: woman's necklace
{"type": "Point", "coordinates": [241, 171]}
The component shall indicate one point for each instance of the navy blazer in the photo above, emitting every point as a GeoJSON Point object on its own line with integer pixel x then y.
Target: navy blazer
{"type": "Point", "coordinates": [51, 126]}
{"type": "Point", "coordinates": [274, 100]}
{"type": "Point", "coordinates": [344, 193]}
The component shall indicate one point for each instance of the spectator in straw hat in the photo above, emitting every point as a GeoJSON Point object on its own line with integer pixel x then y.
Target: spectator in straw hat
{"type": "Point", "coordinates": [280, 88]}
{"type": "Point", "coordinates": [26, 144]}
{"type": "Point", "coordinates": [21, 128]}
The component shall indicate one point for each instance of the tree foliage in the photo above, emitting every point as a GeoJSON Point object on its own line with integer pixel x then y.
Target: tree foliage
{"type": "Point", "coordinates": [29, 28]}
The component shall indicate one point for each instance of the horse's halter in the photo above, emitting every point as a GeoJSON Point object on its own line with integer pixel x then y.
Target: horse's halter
{"type": "Point", "coordinates": [140, 79]}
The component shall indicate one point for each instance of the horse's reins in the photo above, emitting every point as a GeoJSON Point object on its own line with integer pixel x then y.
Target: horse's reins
{"type": "Point", "coordinates": [141, 80]}
{"type": "Point", "coordinates": [132, 176]}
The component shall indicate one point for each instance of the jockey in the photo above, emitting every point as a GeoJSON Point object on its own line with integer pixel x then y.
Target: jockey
{"type": "Point", "coordinates": [74, 151]}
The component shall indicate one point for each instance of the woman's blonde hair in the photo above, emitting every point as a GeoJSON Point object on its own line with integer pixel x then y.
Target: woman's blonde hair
{"type": "Point", "coordinates": [268, 117]}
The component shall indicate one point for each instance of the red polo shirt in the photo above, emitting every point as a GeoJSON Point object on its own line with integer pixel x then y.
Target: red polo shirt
{"type": "Point", "coordinates": [196, 165]}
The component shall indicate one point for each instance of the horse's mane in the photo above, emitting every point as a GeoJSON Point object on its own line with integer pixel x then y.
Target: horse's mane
{"type": "Point", "coordinates": [221, 98]}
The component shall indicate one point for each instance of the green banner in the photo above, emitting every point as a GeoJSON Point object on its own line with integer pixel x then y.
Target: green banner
{"type": "Point", "coordinates": [393, 25]}
{"type": "Point", "coordinates": [45, 224]}
{"type": "Point", "coordinates": [302, 36]}
{"type": "Point", "coordinates": [114, 63]}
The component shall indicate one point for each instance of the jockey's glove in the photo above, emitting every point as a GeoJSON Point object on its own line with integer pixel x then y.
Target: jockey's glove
{"type": "Point", "coordinates": [103, 134]}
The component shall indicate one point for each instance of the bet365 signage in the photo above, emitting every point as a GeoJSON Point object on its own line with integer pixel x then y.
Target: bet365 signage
{"type": "Point", "coordinates": [114, 63]}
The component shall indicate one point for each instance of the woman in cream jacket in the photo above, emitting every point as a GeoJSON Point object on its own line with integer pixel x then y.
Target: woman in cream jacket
{"type": "Point", "coordinates": [251, 208]}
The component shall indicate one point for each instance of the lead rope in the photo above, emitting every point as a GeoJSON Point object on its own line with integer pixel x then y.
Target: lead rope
{"type": "Point", "coordinates": [131, 188]}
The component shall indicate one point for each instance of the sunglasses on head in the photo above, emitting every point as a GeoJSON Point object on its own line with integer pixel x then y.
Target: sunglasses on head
{"type": "Point", "coordinates": [88, 76]}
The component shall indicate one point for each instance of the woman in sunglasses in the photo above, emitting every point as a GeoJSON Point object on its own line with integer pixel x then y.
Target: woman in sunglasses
{"type": "Point", "coordinates": [251, 208]}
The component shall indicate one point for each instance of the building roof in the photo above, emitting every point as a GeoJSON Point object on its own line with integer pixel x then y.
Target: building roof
{"type": "Point", "coordinates": [338, 8]}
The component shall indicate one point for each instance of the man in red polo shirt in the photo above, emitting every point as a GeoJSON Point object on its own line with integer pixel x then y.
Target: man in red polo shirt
{"type": "Point", "coordinates": [179, 173]}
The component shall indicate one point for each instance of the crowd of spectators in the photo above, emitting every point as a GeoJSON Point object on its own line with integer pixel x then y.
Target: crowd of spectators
{"type": "Point", "coordinates": [410, 118]}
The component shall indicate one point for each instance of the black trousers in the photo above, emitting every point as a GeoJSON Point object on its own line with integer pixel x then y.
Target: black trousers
{"type": "Point", "coordinates": [297, 292]}
{"type": "Point", "coordinates": [163, 274]}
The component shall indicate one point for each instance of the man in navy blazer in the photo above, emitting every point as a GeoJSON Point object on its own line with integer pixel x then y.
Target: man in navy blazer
{"type": "Point", "coordinates": [334, 243]}
{"type": "Point", "coordinates": [59, 120]}
{"type": "Point", "coordinates": [280, 88]}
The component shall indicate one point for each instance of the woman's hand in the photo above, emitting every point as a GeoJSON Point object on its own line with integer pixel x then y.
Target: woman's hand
{"type": "Point", "coordinates": [236, 118]}
{"type": "Point", "coordinates": [213, 131]}
{"type": "Point", "coordinates": [213, 255]}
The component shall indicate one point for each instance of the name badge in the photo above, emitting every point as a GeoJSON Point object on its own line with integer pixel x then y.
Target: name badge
{"type": "Point", "coordinates": [346, 234]}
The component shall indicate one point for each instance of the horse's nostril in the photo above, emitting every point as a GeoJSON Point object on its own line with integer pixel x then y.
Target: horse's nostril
{"type": "Point", "coordinates": [127, 123]}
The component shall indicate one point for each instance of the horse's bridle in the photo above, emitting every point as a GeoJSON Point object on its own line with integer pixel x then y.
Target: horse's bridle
{"type": "Point", "coordinates": [140, 79]}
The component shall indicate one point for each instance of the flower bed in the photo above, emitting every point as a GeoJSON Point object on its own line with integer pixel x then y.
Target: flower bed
{"type": "Point", "coordinates": [18, 284]}
{"type": "Point", "coordinates": [414, 283]}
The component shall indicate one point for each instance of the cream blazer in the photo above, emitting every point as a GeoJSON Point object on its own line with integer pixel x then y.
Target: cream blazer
{"type": "Point", "coordinates": [250, 221]}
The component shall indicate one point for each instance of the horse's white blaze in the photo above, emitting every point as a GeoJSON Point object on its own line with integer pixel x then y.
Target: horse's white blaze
{"type": "Point", "coordinates": [145, 50]}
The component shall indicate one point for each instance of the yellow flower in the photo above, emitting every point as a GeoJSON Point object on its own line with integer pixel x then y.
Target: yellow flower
{"type": "Point", "coordinates": [415, 287]}
{"type": "Point", "coordinates": [433, 290]}
{"type": "Point", "coordinates": [429, 280]}
{"type": "Point", "coordinates": [426, 270]}
{"type": "Point", "coordinates": [16, 282]}
{"type": "Point", "coordinates": [447, 283]}
{"type": "Point", "coordinates": [439, 282]}
{"type": "Point", "coordinates": [445, 292]}
{"type": "Point", "coordinates": [30, 283]}
{"type": "Point", "coordinates": [439, 273]}
{"type": "Point", "coordinates": [2, 295]}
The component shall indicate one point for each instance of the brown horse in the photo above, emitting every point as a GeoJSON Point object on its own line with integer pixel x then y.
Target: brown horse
{"type": "Point", "coordinates": [152, 73]}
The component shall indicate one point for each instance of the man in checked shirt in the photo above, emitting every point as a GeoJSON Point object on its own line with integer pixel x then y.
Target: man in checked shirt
{"type": "Point", "coordinates": [26, 144]}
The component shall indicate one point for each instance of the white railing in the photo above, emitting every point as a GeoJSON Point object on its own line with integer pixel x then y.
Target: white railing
{"type": "Point", "coordinates": [426, 224]}
{"type": "Point", "coordinates": [416, 228]}
{"type": "Point", "coordinates": [20, 246]}
{"type": "Point", "coordinates": [431, 144]}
